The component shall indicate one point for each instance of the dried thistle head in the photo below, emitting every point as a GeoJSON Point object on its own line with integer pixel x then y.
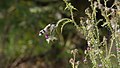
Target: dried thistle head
{"type": "Point", "coordinates": [74, 51]}
{"type": "Point", "coordinates": [71, 61]}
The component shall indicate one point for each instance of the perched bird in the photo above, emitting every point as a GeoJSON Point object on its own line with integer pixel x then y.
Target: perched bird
{"type": "Point", "coordinates": [47, 32]}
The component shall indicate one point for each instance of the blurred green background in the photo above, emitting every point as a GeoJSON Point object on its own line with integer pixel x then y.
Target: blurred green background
{"type": "Point", "coordinates": [20, 44]}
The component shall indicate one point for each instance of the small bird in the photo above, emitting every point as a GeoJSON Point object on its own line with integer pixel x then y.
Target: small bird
{"type": "Point", "coordinates": [48, 32]}
{"type": "Point", "coordinates": [48, 29]}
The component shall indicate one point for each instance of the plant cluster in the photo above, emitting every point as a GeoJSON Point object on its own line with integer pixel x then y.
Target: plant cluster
{"type": "Point", "coordinates": [100, 52]}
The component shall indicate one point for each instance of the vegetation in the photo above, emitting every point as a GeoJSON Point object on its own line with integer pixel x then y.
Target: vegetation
{"type": "Point", "coordinates": [41, 34]}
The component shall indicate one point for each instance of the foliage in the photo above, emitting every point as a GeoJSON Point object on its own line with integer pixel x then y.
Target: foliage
{"type": "Point", "coordinates": [98, 51]}
{"type": "Point", "coordinates": [20, 44]}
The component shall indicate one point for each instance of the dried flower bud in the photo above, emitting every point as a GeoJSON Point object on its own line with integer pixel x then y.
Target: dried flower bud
{"type": "Point", "coordinates": [100, 65]}
{"type": "Point", "coordinates": [90, 0]}
{"type": "Point", "coordinates": [87, 11]}
{"type": "Point", "coordinates": [85, 60]}
{"type": "Point", "coordinates": [88, 27]}
{"type": "Point", "coordinates": [88, 42]}
{"type": "Point", "coordinates": [88, 21]}
{"type": "Point", "coordinates": [118, 30]}
{"type": "Point", "coordinates": [88, 48]}
{"type": "Point", "coordinates": [113, 10]}
{"type": "Point", "coordinates": [71, 60]}
{"type": "Point", "coordinates": [77, 63]}
{"type": "Point", "coordinates": [85, 51]}
{"type": "Point", "coordinates": [100, 6]}
{"type": "Point", "coordinates": [118, 49]}
{"type": "Point", "coordinates": [74, 51]}
{"type": "Point", "coordinates": [95, 4]}
{"type": "Point", "coordinates": [113, 23]}
{"type": "Point", "coordinates": [107, 9]}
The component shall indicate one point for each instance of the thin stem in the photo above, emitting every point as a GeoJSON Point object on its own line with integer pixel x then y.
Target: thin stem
{"type": "Point", "coordinates": [111, 45]}
{"type": "Point", "coordinates": [74, 60]}
{"type": "Point", "coordinates": [72, 17]}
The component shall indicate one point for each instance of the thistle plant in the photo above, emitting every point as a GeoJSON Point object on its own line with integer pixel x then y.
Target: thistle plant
{"type": "Point", "coordinates": [97, 55]}
{"type": "Point", "coordinates": [98, 51]}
